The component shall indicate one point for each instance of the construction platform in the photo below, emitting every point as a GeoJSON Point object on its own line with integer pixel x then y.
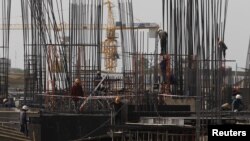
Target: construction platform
{"type": "Point", "coordinates": [173, 120]}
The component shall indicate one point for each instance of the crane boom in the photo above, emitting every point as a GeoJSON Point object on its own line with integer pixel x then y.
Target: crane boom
{"type": "Point", "coordinates": [78, 26]}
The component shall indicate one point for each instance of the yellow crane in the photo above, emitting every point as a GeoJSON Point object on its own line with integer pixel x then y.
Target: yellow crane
{"type": "Point", "coordinates": [109, 47]}
{"type": "Point", "coordinates": [66, 26]}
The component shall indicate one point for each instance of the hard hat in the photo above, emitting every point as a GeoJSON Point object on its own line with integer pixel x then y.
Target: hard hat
{"type": "Point", "coordinates": [25, 107]}
{"type": "Point", "coordinates": [77, 80]}
{"type": "Point", "coordinates": [117, 99]}
{"type": "Point", "coordinates": [5, 100]}
{"type": "Point", "coordinates": [238, 96]}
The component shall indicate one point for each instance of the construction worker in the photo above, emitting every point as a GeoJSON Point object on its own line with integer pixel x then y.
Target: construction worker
{"type": "Point", "coordinates": [5, 102]}
{"type": "Point", "coordinates": [163, 65]}
{"type": "Point", "coordinates": [8, 103]}
{"type": "Point", "coordinates": [222, 48]}
{"type": "Point", "coordinates": [23, 120]}
{"type": "Point", "coordinates": [76, 92]}
{"type": "Point", "coordinates": [118, 110]}
{"type": "Point", "coordinates": [163, 35]}
{"type": "Point", "coordinates": [227, 106]}
{"type": "Point", "coordinates": [237, 103]}
{"type": "Point", "coordinates": [97, 80]}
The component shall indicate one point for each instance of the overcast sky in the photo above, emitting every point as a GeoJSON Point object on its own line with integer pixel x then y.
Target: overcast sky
{"type": "Point", "coordinates": [236, 38]}
{"type": "Point", "coordinates": [238, 31]}
{"type": "Point", "coordinates": [237, 28]}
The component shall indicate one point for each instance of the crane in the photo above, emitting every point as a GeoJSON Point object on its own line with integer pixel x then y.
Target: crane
{"type": "Point", "coordinates": [110, 44]}
{"type": "Point", "coordinates": [66, 26]}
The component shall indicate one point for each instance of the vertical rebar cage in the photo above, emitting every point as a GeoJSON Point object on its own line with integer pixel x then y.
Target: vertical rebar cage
{"type": "Point", "coordinates": [196, 29]}
{"type": "Point", "coordinates": [5, 62]}
{"type": "Point", "coordinates": [62, 42]}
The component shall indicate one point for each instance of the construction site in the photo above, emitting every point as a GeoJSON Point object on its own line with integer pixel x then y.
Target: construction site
{"type": "Point", "coordinates": [171, 89]}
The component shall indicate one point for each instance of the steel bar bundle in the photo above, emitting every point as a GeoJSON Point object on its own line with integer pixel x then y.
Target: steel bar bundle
{"type": "Point", "coordinates": [5, 62]}
{"type": "Point", "coordinates": [55, 55]}
{"type": "Point", "coordinates": [195, 30]}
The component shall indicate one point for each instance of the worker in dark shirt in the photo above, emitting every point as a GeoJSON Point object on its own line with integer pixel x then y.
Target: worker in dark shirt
{"type": "Point", "coordinates": [8, 103]}
{"type": "Point", "coordinates": [23, 120]}
{"type": "Point", "coordinates": [163, 35]}
{"type": "Point", "coordinates": [76, 92]}
{"type": "Point", "coordinates": [222, 48]}
{"type": "Point", "coordinates": [234, 103]}
{"type": "Point", "coordinates": [118, 110]}
{"type": "Point", "coordinates": [238, 104]}
{"type": "Point", "coordinates": [5, 102]}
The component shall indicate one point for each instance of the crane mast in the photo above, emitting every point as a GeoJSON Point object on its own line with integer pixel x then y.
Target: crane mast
{"type": "Point", "coordinates": [110, 43]}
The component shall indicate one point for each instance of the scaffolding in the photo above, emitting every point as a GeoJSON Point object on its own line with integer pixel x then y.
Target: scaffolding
{"type": "Point", "coordinates": [59, 48]}
{"type": "Point", "coordinates": [54, 57]}
{"type": "Point", "coordinates": [196, 30]}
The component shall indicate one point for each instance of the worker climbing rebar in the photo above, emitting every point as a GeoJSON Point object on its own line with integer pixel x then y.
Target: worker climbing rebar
{"type": "Point", "coordinates": [222, 48]}
{"type": "Point", "coordinates": [163, 35]}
